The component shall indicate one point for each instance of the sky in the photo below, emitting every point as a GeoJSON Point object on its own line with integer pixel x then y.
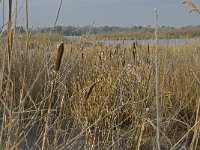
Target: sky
{"type": "Point", "coordinates": [123, 13]}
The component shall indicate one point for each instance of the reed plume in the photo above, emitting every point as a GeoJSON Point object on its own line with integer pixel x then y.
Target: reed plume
{"type": "Point", "coordinates": [194, 8]}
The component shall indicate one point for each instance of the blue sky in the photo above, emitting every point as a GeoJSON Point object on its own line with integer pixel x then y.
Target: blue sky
{"type": "Point", "coordinates": [108, 12]}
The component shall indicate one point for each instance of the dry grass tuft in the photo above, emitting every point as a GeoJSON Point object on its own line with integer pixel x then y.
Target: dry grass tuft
{"type": "Point", "coordinates": [194, 8]}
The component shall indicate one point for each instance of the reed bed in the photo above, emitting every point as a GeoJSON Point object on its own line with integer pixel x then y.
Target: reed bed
{"type": "Point", "coordinates": [101, 97]}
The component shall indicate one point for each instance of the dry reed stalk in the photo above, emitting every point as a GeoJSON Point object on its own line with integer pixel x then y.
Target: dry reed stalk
{"type": "Point", "coordinates": [193, 145]}
{"type": "Point", "coordinates": [124, 57]}
{"type": "Point", "coordinates": [27, 26]}
{"type": "Point", "coordinates": [9, 86]}
{"type": "Point", "coordinates": [186, 134]}
{"type": "Point", "coordinates": [47, 118]}
{"type": "Point", "coordinates": [87, 94]}
{"type": "Point", "coordinates": [1, 97]}
{"type": "Point", "coordinates": [15, 21]}
{"type": "Point", "coordinates": [61, 1]}
{"type": "Point", "coordinates": [148, 55]}
{"type": "Point", "coordinates": [3, 18]}
{"type": "Point", "coordinates": [58, 123]}
{"type": "Point", "coordinates": [157, 83]}
{"type": "Point", "coordinates": [110, 55]}
{"type": "Point", "coordinates": [140, 137]}
{"type": "Point", "coordinates": [2, 86]}
{"type": "Point", "coordinates": [3, 78]}
{"type": "Point", "coordinates": [59, 57]}
{"type": "Point", "coordinates": [9, 34]}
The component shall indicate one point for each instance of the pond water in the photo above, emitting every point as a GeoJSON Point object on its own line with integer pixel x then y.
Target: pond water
{"type": "Point", "coordinates": [162, 42]}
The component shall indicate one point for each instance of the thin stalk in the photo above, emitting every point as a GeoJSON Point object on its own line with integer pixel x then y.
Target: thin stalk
{"type": "Point", "coordinates": [45, 137]}
{"type": "Point", "coordinates": [3, 14]}
{"type": "Point", "coordinates": [15, 21]}
{"type": "Point", "coordinates": [27, 32]}
{"type": "Point", "coordinates": [9, 35]}
{"type": "Point", "coordinates": [61, 1]}
{"type": "Point", "coordinates": [9, 86]}
{"type": "Point", "coordinates": [58, 123]}
{"type": "Point", "coordinates": [157, 82]}
{"type": "Point", "coordinates": [53, 84]}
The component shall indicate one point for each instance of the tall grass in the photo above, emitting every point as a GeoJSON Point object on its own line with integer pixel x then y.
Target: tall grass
{"type": "Point", "coordinates": [98, 97]}
{"type": "Point", "coordinates": [102, 100]}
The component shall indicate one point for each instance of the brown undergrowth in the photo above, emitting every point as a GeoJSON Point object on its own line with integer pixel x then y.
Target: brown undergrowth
{"type": "Point", "coordinates": [102, 97]}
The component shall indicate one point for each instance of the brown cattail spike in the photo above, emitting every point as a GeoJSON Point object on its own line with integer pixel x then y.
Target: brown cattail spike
{"type": "Point", "coordinates": [134, 52]}
{"type": "Point", "coordinates": [59, 56]}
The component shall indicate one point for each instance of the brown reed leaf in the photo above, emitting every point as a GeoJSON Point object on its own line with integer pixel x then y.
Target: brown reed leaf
{"type": "Point", "coordinates": [87, 95]}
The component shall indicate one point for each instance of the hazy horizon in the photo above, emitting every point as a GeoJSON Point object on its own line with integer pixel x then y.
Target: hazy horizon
{"type": "Point", "coordinates": [123, 13]}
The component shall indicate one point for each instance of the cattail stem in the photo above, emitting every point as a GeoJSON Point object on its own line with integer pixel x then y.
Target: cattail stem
{"type": "Point", "coordinates": [157, 82]}
{"type": "Point", "coordinates": [15, 22]}
{"type": "Point", "coordinates": [9, 85]}
{"type": "Point", "coordinates": [27, 26]}
{"type": "Point", "coordinates": [9, 34]}
{"type": "Point", "coordinates": [3, 18]}
{"type": "Point", "coordinates": [58, 13]}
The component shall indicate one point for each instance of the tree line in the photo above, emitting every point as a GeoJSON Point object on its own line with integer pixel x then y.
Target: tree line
{"type": "Point", "coordinates": [118, 32]}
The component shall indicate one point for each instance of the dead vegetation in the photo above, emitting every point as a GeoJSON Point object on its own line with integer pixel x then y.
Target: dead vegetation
{"type": "Point", "coordinates": [102, 97]}
{"type": "Point", "coordinates": [96, 96]}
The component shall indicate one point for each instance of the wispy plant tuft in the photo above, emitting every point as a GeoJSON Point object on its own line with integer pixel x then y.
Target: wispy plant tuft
{"type": "Point", "coordinates": [194, 8]}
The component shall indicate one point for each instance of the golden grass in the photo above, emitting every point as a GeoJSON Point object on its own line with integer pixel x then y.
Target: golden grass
{"type": "Point", "coordinates": [102, 97]}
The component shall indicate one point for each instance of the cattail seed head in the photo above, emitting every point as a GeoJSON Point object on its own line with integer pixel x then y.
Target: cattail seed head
{"type": "Point", "coordinates": [59, 56]}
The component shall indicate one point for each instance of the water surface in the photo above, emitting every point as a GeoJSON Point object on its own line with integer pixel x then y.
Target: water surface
{"type": "Point", "coordinates": [162, 42]}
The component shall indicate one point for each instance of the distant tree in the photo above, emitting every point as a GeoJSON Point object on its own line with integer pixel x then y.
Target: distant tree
{"type": "Point", "coordinates": [58, 29]}
{"type": "Point", "coordinates": [140, 27]}
{"type": "Point", "coordinates": [69, 30]}
{"type": "Point", "coordinates": [20, 29]}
